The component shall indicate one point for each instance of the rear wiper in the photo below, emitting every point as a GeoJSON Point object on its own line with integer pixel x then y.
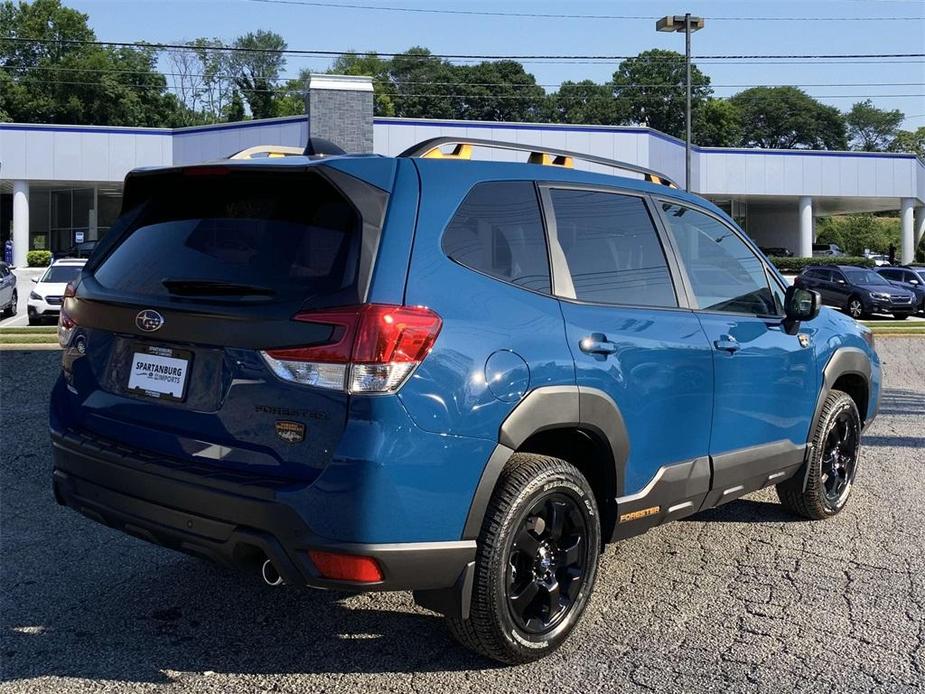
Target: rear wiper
{"type": "Point", "coordinates": [214, 288]}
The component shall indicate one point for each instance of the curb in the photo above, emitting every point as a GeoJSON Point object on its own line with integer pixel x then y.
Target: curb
{"type": "Point", "coordinates": [26, 347]}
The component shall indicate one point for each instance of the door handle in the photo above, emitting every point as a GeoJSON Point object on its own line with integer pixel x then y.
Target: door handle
{"type": "Point", "coordinates": [727, 343]}
{"type": "Point", "coordinates": [597, 343]}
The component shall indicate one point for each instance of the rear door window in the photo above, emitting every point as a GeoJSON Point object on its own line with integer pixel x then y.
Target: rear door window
{"type": "Point", "coordinates": [725, 274]}
{"type": "Point", "coordinates": [498, 230]}
{"type": "Point", "coordinates": [612, 248]}
{"type": "Point", "coordinates": [281, 236]}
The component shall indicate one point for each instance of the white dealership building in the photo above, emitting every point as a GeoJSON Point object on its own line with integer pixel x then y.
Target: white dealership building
{"type": "Point", "coordinates": [60, 184]}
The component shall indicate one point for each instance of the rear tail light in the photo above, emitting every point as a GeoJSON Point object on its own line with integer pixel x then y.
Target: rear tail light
{"type": "Point", "coordinates": [373, 348]}
{"type": "Point", "coordinates": [66, 324]}
{"type": "Point", "coordinates": [346, 567]}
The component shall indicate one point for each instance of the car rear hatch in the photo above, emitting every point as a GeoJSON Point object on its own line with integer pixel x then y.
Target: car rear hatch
{"type": "Point", "coordinates": [201, 277]}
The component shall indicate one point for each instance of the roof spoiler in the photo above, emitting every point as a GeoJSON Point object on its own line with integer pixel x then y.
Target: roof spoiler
{"type": "Point", "coordinates": [430, 149]}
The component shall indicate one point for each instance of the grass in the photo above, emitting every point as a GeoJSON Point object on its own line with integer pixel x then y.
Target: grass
{"type": "Point", "coordinates": [7, 339]}
{"type": "Point", "coordinates": [32, 330]}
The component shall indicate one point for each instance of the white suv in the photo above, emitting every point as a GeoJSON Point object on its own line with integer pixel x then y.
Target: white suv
{"type": "Point", "coordinates": [45, 299]}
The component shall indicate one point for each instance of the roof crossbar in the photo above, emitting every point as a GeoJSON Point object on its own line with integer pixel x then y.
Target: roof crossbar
{"type": "Point", "coordinates": [554, 157]}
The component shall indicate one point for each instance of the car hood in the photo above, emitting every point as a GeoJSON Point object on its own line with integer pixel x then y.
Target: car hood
{"type": "Point", "coordinates": [50, 288]}
{"type": "Point", "coordinates": [885, 289]}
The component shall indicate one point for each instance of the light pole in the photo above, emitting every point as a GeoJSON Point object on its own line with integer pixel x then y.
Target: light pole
{"type": "Point", "coordinates": [688, 25]}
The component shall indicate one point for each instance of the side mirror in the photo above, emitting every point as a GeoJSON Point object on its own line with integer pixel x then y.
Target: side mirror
{"type": "Point", "coordinates": [35, 280]}
{"type": "Point", "coordinates": [800, 305]}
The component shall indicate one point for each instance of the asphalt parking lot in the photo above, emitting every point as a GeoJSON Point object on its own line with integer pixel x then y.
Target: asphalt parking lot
{"type": "Point", "coordinates": [741, 598]}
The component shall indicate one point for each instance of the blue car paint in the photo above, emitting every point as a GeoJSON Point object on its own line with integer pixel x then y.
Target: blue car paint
{"type": "Point", "coordinates": [660, 377]}
{"type": "Point", "coordinates": [765, 391]}
{"type": "Point", "coordinates": [404, 467]}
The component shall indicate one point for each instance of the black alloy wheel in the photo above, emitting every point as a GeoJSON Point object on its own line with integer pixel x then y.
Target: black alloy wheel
{"type": "Point", "coordinates": [548, 563]}
{"type": "Point", "coordinates": [840, 457]}
{"type": "Point", "coordinates": [821, 487]}
{"type": "Point", "coordinates": [536, 561]}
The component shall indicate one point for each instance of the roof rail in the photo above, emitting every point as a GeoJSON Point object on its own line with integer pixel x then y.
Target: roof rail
{"type": "Point", "coordinates": [268, 151]}
{"type": "Point", "coordinates": [538, 155]}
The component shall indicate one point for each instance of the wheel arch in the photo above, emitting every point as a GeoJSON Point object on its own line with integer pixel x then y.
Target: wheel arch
{"type": "Point", "coordinates": [849, 370]}
{"type": "Point", "coordinates": [583, 426]}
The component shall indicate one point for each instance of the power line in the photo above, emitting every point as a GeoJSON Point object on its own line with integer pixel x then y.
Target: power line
{"type": "Point", "coordinates": [556, 85]}
{"type": "Point", "coordinates": [453, 95]}
{"type": "Point", "coordinates": [556, 15]}
{"type": "Point", "coordinates": [451, 56]}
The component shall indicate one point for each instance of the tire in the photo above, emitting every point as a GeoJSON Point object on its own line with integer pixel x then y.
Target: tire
{"type": "Point", "coordinates": [520, 557]}
{"type": "Point", "coordinates": [35, 320]}
{"type": "Point", "coordinates": [901, 316]}
{"type": "Point", "coordinates": [855, 308]}
{"type": "Point", "coordinates": [832, 465]}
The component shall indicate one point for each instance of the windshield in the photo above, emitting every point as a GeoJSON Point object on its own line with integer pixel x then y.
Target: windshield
{"type": "Point", "coordinates": [61, 274]}
{"type": "Point", "coordinates": [865, 277]}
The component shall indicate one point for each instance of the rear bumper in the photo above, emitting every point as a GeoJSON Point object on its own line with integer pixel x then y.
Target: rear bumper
{"type": "Point", "coordinates": [229, 522]}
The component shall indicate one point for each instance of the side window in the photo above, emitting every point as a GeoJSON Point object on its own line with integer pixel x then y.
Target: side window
{"type": "Point", "coordinates": [724, 272]}
{"type": "Point", "coordinates": [498, 230]}
{"type": "Point", "coordinates": [612, 248]}
{"type": "Point", "coordinates": [838, 277]}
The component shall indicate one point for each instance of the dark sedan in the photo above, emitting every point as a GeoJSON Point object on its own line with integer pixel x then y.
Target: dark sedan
{"type": "Point", "coordinates": [857, 290]}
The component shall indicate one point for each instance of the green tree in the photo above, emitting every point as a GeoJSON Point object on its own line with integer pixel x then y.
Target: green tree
{"type": "Point", "coordinates": [234, 111]}
{"type": "Point", "coordinates": [717, 123]}
{"type": "Point", "coordinates": [788, 118]}
{"type": "Point", "coordinates": [498, 90]}
{"type": "Point", "coordinates": [872, 129]}
{"type": "Point", "coordinates": [856, 233]}
{"type": "Point", "coordinates": [652, 88]}
{"type": "Point", "coordinates": [910, 141]}
{"type": "Point", "coordinates": [256, 64]}
{"type": "Point", "coordinates": [584, 102]}
{"type": "Point", "coordinates": [370, 65]}
{"type": "Point", "coordinates": [425, 86]}
{"type": "Point", "coordinates": [59, 78]}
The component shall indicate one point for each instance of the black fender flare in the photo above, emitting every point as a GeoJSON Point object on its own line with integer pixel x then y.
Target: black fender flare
{"type": "Point", "coordinates": [542, 409]}
{"type": "Point", "coordinates": [843, 362]}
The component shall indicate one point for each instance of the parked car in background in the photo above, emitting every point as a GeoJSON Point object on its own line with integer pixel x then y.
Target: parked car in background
{"type": "Point", "coordinates": [910, 279]}
{"type": "Point", "coordinates": [827, 249]}
{"type": "Point", "coordinates": [80, 250]}
{"type": "Point", "coordinates": [459, 378]}
{"type": "Point", "coordinates": [858, 291]}
{"type": "Point", "coordinates": [8, 295]}
{"type": "Point", "coordinates": [777, 252]}
{"type": "Point", "coordinates": [879, 259]}
{"type": "Point", "coordinates": [45, 299]}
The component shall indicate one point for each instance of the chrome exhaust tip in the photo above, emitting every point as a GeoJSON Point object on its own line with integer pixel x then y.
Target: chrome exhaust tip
{"type": "Point", "coordinates": [270, 575]}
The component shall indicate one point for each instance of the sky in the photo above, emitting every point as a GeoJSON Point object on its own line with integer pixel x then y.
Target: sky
{"type": "Point", "coordinates": [733, 27]}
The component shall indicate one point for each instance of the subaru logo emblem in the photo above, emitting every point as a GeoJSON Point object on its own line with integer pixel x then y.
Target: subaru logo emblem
{"type": "Point", "coordinates": [149, 320]}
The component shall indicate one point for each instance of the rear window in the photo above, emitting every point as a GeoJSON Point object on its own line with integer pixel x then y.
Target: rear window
{"type": "Point", "coordinates": [61, 274]}
{"type": "Point", "coordinates": [280, 236]}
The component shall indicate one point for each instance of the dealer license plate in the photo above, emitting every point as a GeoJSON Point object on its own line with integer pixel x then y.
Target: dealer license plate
{"type": "Point", "coordinates": [159, 372]}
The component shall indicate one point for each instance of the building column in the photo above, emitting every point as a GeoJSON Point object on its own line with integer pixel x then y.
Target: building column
{"type": "Point", "coordinates": [806, 227]}
{"type": "Point", "coordinates": [20, 222]}
{"type": "Point", "coordinates": [905, 219]}
{"type": "Point", "coordinates": [918, 224]}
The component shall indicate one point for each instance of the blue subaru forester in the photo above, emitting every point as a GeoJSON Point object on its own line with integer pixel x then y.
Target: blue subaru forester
{"type": "Point", "coordinates": [457, 377]}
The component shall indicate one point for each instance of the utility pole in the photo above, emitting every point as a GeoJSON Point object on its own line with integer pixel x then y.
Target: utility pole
{"type": "Point", "coordinates": [688, 25]}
